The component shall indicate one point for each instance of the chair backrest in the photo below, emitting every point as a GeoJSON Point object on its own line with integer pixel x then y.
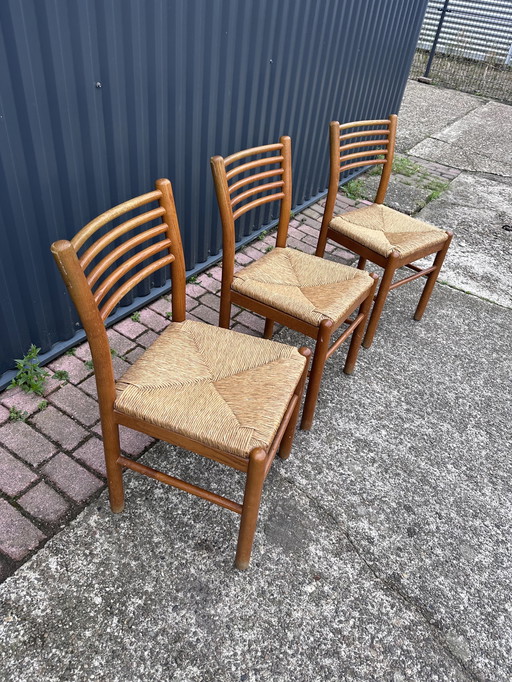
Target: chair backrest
{"type": "Point", "coordinates": [235, 199]}
{"type": "Point", "coordinates": [357, 144]}
{"type": "Point", "coordinates": [89, 278]}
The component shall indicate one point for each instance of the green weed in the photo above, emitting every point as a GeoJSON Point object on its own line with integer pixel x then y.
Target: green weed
{"type": "Point", "coordinates": [61, 375]}
{"type": "Point", "coordinates": [16, 415]}
{"type": "Point", "coordinates": [135, 317]}
{"type": "Point", "coordinates": [404, 166]}
{"type": "Point", "coordinates": [30, 377]}
{"type": "Point", "coordinates": [42, 405]}
{"type": "Point", "coordinates": [354, 189]}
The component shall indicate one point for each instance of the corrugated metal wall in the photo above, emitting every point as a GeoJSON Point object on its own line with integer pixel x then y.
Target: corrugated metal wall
{"type": "Point", "coordinates": [100, 97]}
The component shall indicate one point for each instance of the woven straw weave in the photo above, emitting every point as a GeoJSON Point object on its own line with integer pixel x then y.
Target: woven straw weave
{"type": "Point", "coordinates": [307, 287]}
{"type": "Point", "coordinates": [384, 230]}
{"type": "Point", "coordinates": [227, 390]}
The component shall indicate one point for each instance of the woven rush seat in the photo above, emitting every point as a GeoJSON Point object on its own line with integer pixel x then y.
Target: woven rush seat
{"type": "Point", "coordinates": [299, 284]}
{"type": "Point", "coordinates": [216, 386]}
{"type": "Point", "coordinates": [384, 230]}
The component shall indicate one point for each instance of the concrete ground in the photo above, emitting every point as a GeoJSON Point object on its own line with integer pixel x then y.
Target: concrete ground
{"type": "Point", "coordinates": [383, 550]}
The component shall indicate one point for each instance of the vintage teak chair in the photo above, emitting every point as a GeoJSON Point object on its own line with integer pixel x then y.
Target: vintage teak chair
{"type": "Point", "coordinates": [224, 395]}
{"type": "Point", "coordinates": [287, 286]}
{"type": "Point", "coordinates": [377, 233]}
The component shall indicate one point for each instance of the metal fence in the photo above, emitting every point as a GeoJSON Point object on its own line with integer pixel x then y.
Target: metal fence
{"type": "Point", "coordinates": [467, 45]}
{"type": "Point", "coordinates": [98, 98]}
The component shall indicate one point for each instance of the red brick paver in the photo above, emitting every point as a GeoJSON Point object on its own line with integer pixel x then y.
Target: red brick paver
{"type": "Point", "coordinates": [71, 478]}
{"type": "Point", "coordinates": [44, 503]}
{"type": "Point", "coordinates": [18, 535]}
{"type": "Point", "coordinates": [14, 476]}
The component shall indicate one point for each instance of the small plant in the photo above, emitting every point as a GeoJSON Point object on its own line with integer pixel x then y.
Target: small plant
{"type": "Point", "coordinates": [168, 315]}
{"type": "Point", "coordinates": [16, 415]}
{"type": "Point", "coordinates": [42, 405]}
{"type": "Point", "coordinates": [135, 317]}
{"type": "Point", "coordinates": [354, 189]}
{"type": "Point", "coordinates": [113, 353]}
{"type": "Point", "coordinates": [376, 170]}
{"type": "Point", "coordinates": [61, 375]}
{"type": "Point", "coordinates": [30, 377]}
{"type": "Point", "coordinates": [404, 166]}
{"type": "Point", "coordinates": [292, 215]}
{"type": "Point", "coordinates": [269, 248]}
{"type": "Point", "coordinates": [192, 279]}
{"type": "Point", "coordinates": [262, 235]}
{"type": "Point", "coordinates": [71, 351]}
{"type": "Point", "coordinates": [89, 364]}
{"type": "Point", "coordinates": [436, 187]}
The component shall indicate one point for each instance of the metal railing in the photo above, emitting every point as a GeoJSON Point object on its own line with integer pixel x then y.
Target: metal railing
{"type": "Point", "coordinates": [467, 45]}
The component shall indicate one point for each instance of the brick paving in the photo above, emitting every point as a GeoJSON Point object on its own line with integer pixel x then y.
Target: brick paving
{"type": "Point", "coordinates": [51, 463]}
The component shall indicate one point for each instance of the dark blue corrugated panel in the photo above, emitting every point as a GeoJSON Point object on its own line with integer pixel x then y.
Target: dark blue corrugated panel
{"type": "Point", "coordinates": [98, 98]}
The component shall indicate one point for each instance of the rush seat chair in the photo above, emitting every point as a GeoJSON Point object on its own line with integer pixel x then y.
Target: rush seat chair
{"type": "Point", "coordinates": [224, 395]}
{"type": "Point", "coordinates": [377, 233]}
{"type": "Point", "coordinates": [296, 289]}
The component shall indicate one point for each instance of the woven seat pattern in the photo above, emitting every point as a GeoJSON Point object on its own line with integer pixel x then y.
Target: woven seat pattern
{"type": "Point", "coordinates": [227, 390]}
{"type": "Point", "coordinates": [309, 288]}
{"type": "Point", "coordinates": [384, 230]}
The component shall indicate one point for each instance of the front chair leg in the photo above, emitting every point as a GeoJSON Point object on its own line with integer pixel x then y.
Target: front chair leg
{"type": "Point", "coordinates": [287, 439]}
{"type": "Point", "coordinates": [432, 279]}
{"type": "Point", "coordinates": [357, 335]}
{"type": "Point", "coordinates": [322, 346]}
{"type": "Point", "coordinates": [250, 507]}
{"type": "Point", "coordinates": [386, 281]}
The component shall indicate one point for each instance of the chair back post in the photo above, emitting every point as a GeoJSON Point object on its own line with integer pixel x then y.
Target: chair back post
{"type": "Point", "coordinates": [286, 201]}
{"type": "Point", "coordinates": [228, 223]}
{"type": "Point", "coordinates": [92, 322]}
{"type": "Point", "coordinates": [388, 166]}
{"type": "Point", "coordinates": [178, 272]}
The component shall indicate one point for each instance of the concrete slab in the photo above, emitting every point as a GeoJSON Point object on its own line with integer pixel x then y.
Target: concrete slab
{"type": "Point", "coordinates": [479, 141]}
{"type": "Point", "coordinates": [427, 109]}
{"type": "Point", "coordinates": [480, 257]}
{"type": "Point", "coordinates": [383, 549]}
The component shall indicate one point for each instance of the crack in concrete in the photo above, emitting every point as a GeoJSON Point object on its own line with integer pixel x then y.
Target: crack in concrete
{"type": "Point", "coordinates": [470, 293]}
{"type": "Point", "coordinates": [415, 606]}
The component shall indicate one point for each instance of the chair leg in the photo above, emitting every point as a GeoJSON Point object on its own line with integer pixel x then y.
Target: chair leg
{"type": "Point", "coordinates": [322, 346]}
{"type": "Point", "coordinates": [386, 281]}
{"type": "Point", "coordinates": [358, 334]}
{"type": "Point", "coordinates": [225, 311]}
{"type": "Point", "coordinates": [287, 439]}
{"type": "Point", "coordinates": [269, 328]}
{"type": "Point", "coordinates": [361, 263]}
{"type": "Point", "coordinates": [432, 279]}
{"type": "Point", "coordinates": [250, 507]}
{"type": "Point", "coordinates": [112, 448]}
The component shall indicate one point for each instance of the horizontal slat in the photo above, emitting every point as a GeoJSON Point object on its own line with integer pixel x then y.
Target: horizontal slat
{"type": "Point", "coordinates": [256, 190]}
{"type": "Point", "coordinates": [255, 178]}
{"type": "Point", "coordinates": [362, 155]}
{"type": "Point", "coordinates": [127, 286]}
{"type": "Point", "coordinates": [125, 268]}
{"type": "Point", "coordinates": [365, 143]}
{"type": "Point", "coordinates": [258, 202]}
{"type": "Point", "coordinates": [86, 232]}
{"type": "Point", "coordinates": [266, 161]}
{"type": "Point", "coordinates": [364, 133]}
{"type": "Point", "coordinates": [181, 485]}
{"type": "Point", "coordinates": [358, 124]}
{"type": "Point", "coordinates": [252, 151]}
{"type": "Point", "coordinates": [117, 232]}
{"type": "Point", "coordinates": [111, 258]}
{"type": "Point", "coordinates": [360, 164]}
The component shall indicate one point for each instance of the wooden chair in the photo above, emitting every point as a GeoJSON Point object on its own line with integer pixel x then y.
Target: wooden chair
{"type": "Point", "coordinates": [377, 233]}
{"type": "Point", "coordinates": [224, 395]}
{"type": "Point", "coordinates": [287, 286]}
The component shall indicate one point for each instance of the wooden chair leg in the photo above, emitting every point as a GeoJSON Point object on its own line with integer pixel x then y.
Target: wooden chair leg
{"type": "Point", "coordinates": [361, 263]}
{"type": "Point", "coordinates": [225, 311]}
{"type": "Point", "coordinates": [269, 328]}
{"type": "Point", "coordinates": [112, 448]}
{"type": "Point", "coordinates": [288, 436]}
{"type": "Point", "coordinates": [320, 356]}
{"type": "Point", "coordinates": [387, 279]}
{"type": "Point", "coordinates": [432, 279]}
{"type": "Point", "coordinates": [250, 507]}
{"type": "Point", "coordinates": [358, 334]}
